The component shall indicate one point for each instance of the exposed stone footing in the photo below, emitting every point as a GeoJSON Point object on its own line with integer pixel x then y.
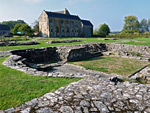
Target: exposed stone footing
{"type": "Point", "coordinates": [91, 95]}
{"type": "Point", "coordinates": [16, 44]}
{"type": "Point", "coordinates": [64, 41]}
{"type": "Point", "coordinates": [17, 62]}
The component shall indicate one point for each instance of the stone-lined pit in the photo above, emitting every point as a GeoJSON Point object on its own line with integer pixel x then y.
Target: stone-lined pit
{"type": "Point", "coordinates": [94, 93]}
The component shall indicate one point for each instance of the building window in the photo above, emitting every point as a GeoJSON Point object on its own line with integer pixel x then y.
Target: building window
{"type": "Point", "coordinates": [62, 21]}
{"type": "Point", "coordinates": [67, 30]}
{"type": "Point", "coordinates": [72, 22]}
{"type": "Point", "coordinates": [57, 29]}
{"type": "Point", "coordinates": [51, 30]}
{"type": "Point", "coordinates": [67, 22]}
{"type": "Point", "coordinates": [50, 21]}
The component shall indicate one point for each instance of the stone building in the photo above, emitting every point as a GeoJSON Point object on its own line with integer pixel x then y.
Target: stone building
{"type": "Point", "coordinates": [4, 29]}
{"type": "Point", "coordinates": [63, 24]}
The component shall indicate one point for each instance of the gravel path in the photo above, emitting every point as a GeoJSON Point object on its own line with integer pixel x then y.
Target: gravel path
{"type": "Point", "coordinates": [78, 70]}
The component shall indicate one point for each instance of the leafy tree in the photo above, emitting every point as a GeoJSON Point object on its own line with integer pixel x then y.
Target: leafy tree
{"type": "Point", "coordinates": [103, 30]}
{"type": "Point", "coordinates": [16, 28]}
{"type": "Point", "coordinates": [131, 23]}
{"type": "Point", "coordinates": [144, 26]}
{"type": "Point", "coordinates": [95, 31]}
{"type": "Point", "coordinates": [25, 29]}
{"type": "Point", "coordinates": [36, 26]}
{"type": "Point", "coordinates": [148, 25]}
{"type": "Point", "coordinates": [12, 24]}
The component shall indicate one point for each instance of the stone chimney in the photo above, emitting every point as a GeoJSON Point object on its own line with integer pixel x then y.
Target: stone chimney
{"type": "Point", "coordinates": [66, 11]}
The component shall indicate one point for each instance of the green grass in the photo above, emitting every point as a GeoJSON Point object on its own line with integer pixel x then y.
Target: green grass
{"type": "Point", "coordinates": [115, 65]}
{"type": "Point", "coordinates": [42, 41]}
{"type": "Point", "coordinates": [17, 87]}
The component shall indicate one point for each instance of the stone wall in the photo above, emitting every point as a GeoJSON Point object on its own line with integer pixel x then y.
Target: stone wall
{"type": "Point", "coordinates": [83, 51]}
{"type": "Point", "coordinates": [59, 27]}
{"type": "Point", "coordinates": [87, 31]}
{"type": "Point", "coordinates": [64, 41]}
{"type": "Point", "coordinates": [5, 53]}
{"type": "Point", "coordinates": [79, 52]}
{"type": "Point", "coordinates": [36, 61]}
{"type": "Point", "coordinates": [61, 53]}
{"type": "Point", "coordinates": [43, 24]}
{"type": "Point", "coordinates": [37, 55]}
{"type": "Point", "coordinates": [128, 50]}
{"type": "Point", "coordinates": [16, 44]}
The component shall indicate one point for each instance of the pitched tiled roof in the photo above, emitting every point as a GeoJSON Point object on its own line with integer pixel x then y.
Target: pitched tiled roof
{"type": "Point", "coordinates": [86, 22]}
{"type": "Point", "coordinates": [59, 15]}
{"type": "Point", "coordinates": [4, 27]}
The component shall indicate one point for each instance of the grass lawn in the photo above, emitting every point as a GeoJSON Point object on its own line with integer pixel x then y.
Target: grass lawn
{"type": "Point", "coordinates": [117, 65]}
{"type": "Point", "coordinates": [42, 41]}
{"type": "Point", "coordinates": [17, 87]}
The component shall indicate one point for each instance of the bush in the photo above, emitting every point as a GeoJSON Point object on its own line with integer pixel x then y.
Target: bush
{"type": "Point", "coordinates": [130, 35]}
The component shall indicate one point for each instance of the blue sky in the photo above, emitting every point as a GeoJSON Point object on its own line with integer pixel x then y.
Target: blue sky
{"type": "Point", "coordinates": [111, 12]}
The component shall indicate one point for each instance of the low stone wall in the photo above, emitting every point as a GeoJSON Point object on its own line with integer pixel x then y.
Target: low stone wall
{"type": "Point", "coordinates": [27, 60]}
{"type": "Point", "coordinates": [79, 52]}
{"type": "Point", "coordinates": [128, 50]}
{"type": "Point", "coordinates": [18, 63]}
{"type": "Point", "coordinates": [61, 53]}
{"type": "Point", "coordinates": [37, 55]}
{"type": "Point", "coordinates": [16, 44]}
{"type": "Point", "coordinates": [5, 53]}
{"type": "Point", "coordinates": [76, 52]}
{"type": "Point", "coordinates": [64, 41]}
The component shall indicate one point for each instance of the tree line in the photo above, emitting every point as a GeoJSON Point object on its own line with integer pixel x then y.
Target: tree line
{"type": "Point", "coordinates": [20, 26]}
{"type": "Point", "coordinates": [132, 28]}
{"type": "Point", "coordinates": [132, 24]}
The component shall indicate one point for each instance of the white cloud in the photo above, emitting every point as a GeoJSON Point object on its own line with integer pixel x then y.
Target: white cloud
{"type": "Point", "coordinates": [33, 1]}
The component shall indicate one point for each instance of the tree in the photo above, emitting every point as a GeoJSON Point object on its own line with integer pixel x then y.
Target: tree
{"type": "Point", "coordinates": [131, 23]}
{"type": "Point", "coordinates": [95, 31]}
{"type": "Point", "coordinates": [144, 26]}
{"type": "Point", "coordinates": [16, 28]}
{"type": "Point", "coordinates": [35, 26]}
{"type": "Point", "coordinates": [103, 30]}
{"type": "Point", "coordinates": [148, 25]}
{"type": "Point", "coordinates": [12, 24]}
{"type": "Point", "coordinates": [25, 29]}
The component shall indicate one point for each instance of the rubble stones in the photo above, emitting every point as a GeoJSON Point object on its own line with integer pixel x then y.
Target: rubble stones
{"type": "Point", "coordinates": [16, 44]}
{"type": "Point", "coordinates": [128, 50]}
{"type": "Point", "coordinates": [64, 41]}
{"type": "Point", "coordinates": [15, 62]}
{"type": "Point", "coordinates": [92, 94]}
{"type": "Point", "coordinates": [5, 53]}
{"type": "Point", "coordinates": [143, 75]}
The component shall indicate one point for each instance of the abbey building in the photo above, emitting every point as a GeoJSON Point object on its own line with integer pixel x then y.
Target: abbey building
{"type": "Point", "coordinates": [63, 24]}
